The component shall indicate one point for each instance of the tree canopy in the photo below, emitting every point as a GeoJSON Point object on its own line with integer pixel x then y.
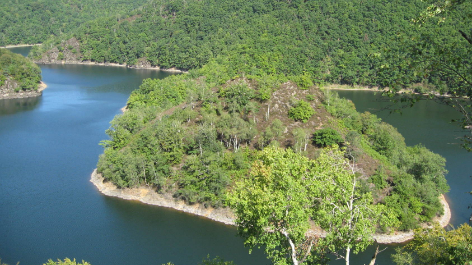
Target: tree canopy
{"type": "Point", "coordinates": [34, 21]}
{"type": "Point", "coordinates": [16, 68]}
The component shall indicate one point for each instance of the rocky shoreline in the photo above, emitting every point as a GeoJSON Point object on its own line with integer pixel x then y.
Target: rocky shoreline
{"type": "Point", "coordinates": [150, 196]}
{"type": "Point", "coordinates": [8, 91]}
{"type": "Point", "coordinates": [145, 67]}
{"type": "Point", "coordinates": [19, 45]}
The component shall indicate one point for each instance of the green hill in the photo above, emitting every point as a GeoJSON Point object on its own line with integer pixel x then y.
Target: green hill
{"type": "Point", "coordinates": [34, 21]}
{"type": "Point", "coordinates": [193, 137]}
{"type": "Point", "coordinates": [334, 41]}
{"type": "Point", "coordinates": [17, 73]}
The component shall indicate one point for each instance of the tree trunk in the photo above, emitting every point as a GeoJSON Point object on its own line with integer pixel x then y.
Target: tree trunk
{"type": "Point", "coordinates": [292, 246]}
{"type": "Point", "coordinates": [348, 252]}
{"type": "Point", "coordinates": [372, 261]}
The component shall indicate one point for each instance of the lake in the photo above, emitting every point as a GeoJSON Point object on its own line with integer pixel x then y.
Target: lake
{"type": "Point", "coordinates": [49, 209]}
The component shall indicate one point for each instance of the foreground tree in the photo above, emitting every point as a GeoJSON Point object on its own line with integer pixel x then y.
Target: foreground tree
{"type": "Point", "coordinates": [286, 194]}
{"type": "Point", "coordinates": [274, 204]}
{"type": "Point", "coordinates": [66, 261]}
{"type": "Point", "coordinates": [348, 215]}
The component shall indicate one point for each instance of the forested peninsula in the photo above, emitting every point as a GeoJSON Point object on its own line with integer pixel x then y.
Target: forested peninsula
{"type": "Point", "coordinates": [19, 76]}
{"type": "Point", "coordinates": [193, 136]}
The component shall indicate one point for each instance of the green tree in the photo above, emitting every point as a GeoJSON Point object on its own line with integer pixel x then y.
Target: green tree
{"type": "Point", "coordinates": [66, 261]}
{"type": "Point", "coordinates": [273, 206]}
{"type": "Point", "coordinates": [302, 111]}
{"type": "Point", "coordinates": [436, 245]}
{"type": "Point", "coordinates": [347, 215]}
{"type": "Point", "coordinates": [327, 137]}
{"type": "Point", "coordinates": [285, 192]}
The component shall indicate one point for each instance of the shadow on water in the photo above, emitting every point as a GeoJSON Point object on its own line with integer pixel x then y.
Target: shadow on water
{"type": "Point", "coordinates": [15, 105]}
{"type": "Point", "coordinates": [21, 50]}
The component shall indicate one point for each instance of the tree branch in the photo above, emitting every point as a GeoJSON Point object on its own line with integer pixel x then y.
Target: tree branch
{"type": "Point", "coordinates": [466, 37]}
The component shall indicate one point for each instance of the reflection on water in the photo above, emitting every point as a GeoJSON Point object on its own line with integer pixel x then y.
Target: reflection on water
{"type": "Point", "coordinates": [21, 50]}
{"type": "Point", "coordinates": [11, 106]}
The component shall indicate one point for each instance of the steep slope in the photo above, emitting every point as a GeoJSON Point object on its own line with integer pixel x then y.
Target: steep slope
{"type": "Point", "coordinates": [33, 21]}
{"type": "Point", "coordinates": [332, 41]}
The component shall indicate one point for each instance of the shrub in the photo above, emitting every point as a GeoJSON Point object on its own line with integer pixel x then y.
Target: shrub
{"type": "Point", "coordinates": [301, 112]}
{"type": "Point", "coordinates": [327, 137]}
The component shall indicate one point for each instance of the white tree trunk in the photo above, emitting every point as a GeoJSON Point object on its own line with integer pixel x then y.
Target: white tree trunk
{"type": "Point", "coordinates": [292, 246]}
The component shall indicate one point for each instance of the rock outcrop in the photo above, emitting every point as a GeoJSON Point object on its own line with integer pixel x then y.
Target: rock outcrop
{"type": "Point", "coordinates": [10, 90]}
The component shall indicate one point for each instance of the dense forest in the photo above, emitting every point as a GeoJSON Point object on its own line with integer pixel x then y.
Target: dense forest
{"type": "Point", "coordinates": [344, 42]}
{"type": "Point", "coordinates": [18, 72]}
{"type": "Point", "coordinates": [33, 21]}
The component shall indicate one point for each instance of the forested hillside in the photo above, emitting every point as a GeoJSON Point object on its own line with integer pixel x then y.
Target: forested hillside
{"type": "Point", "coordinates": [189, 136]}
{"type": "Point", "coordinates": [17, 73]}
{"type": "Point", "coordinates": [336, 41]}
{"type": "Point", "coordinates": [34, 21]}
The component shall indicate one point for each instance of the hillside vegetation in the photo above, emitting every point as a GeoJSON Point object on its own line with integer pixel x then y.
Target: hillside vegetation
{"type": "Point", "coordinates": [344, 42]}
{"type": "Point", "coordinates": [17, 72]}
{"type": "Point", "coordinates": [34, 21]}
{"type": "Point", "coordinates": [193, 137]}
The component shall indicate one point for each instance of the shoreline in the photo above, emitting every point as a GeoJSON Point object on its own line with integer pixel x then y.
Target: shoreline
{"type": "Point", "coordinates": [10, 94]}
{"type": "Point", "coordinates": [148, 195]}
{"type": "Point", "coordinates": [171, 70]}
{"type": "Point", "coordinates": [42, 86]}
{"type": "Point", "coordinates": [19, 45]}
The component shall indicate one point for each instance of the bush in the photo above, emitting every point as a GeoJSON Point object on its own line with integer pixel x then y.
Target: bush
{"type": "Point", "coordinates": [301, 112]}
{"type": "Point", "coordinates": [327, 137]}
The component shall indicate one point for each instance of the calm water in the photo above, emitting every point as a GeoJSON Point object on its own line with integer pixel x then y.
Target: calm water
{"type": "Point", "coordinates": [49, 209]}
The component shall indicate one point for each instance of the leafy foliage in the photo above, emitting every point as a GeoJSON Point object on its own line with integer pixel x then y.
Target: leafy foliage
{"type": "Point", "coordinates": [302, 111]}
{"type": "Point", "coordinates": [303, 40]}
{"type": "Point", "coordinates": [20, 69]}
{"type": "Point", "coordinates": [31, 21]}
{"type": "Point", "coordinates": [416, 175]}
{"type": "Point", "coordinates": [437, 246]}
{"type": "Point", "coordinates": [66, 261]}
{"type": "Point", "coordinates": [286, 191]}
{"type": "Point", "coordinates": [327, 137]}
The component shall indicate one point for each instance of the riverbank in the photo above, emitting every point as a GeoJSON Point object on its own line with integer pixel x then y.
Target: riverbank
{"type": "Point", "coordinates": [150, 196]}
{"type": "Point", "coordinates": [353, 88]}
{"type": "Point", "coordinates": [144, 67]}
{"type": "Point", "coordinates": [8, 91]}
{"type": "Point", "coordinates": [19, 45]}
